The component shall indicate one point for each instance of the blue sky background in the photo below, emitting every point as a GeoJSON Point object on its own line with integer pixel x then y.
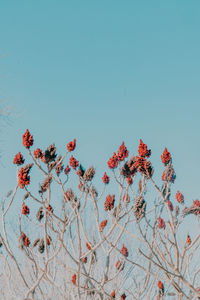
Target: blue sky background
{"type": "Point", "coordinates": [103, 72]}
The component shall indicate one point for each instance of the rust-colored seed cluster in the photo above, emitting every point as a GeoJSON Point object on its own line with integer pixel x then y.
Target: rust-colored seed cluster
{"type": "Point", "coordinates": [71, 145]}
{"type": "Point", "coordinates": [27, 139]}
{"type": "Point", "coordinates": [46, 184]}
{"type": "Point", "coordinates": [49, 155]}
{"type": "Point", "coordinates": [124, 251]}
{"type": "Point", "coordinates": [18, 159]}
{"type": "Point", "coordinates": [40, 214]}
{"type": "Point", "coordinates": [103, 225]}
{"type": "Point", "coordinates": [37, 153]}
{"type": "Point", "coordinates": [109, 203]}
{"type": "Point", "coordinates": [24, 240]}
{"type": "Point", "coordinates": [139, 208]}
{"type": "Point", "coordinates": [169, 173]}
{"type": "Point", "coordinates": [73, 162]}
{"type": "Point", "coordinates": [23, 176]}
{"type": "Point", "coordinates": [25, 209]}
{"type": "Point", "coordinates": [89, 174]}
{"type": "Point", "coordinates": [105, 178]}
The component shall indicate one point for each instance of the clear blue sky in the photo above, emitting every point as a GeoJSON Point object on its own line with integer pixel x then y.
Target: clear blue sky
{"type": "Point", "coordinates": [103, 72]}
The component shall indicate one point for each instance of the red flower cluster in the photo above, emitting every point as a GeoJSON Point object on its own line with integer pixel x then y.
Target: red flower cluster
{"type": "Point", "coordinates": [196, 203]}
{"type": "Point", "coordinates": [23, 177]}
{"type": "Point", "coordinates": [142, 150]}
{"type": "Point", "coordinates": [73, 162]}
{"type": "Point", "coordinates": [129, 180]}
{"type": "Point", "coordinates": [161, 223]}
{"type": "Point", "coordinates": [122, 152]}
{"type": "Point", "coordinates": [165, 157]}
{"type": "Point", "coordinates": [123, 297]}
{"type": "Point", "coordinates": [49, 239]}
{"type": "Point", "coordinates": [88, 246]}
{"type": "Point", "coordinates": [109, 203]}
{"type": "Point", "coordinates": [50, 208]}
{"type": "Point", "coordinates": [161, 287]}
{"type": "Point", "coordinates": [112, 295]}
{"type": "Point", "coordinates": [143, 166]}
{"type": "Point", "coordinates": [113, 161]}
{"type": "Point", "coordinates": [188, 241]}
{"type": "Point", "coordinates": [27, 139]}
{"type": "Point", "coordinates": [67, 170]}
{"type": "Point", "coordinates": [71, 145]}
{"type": "Point", "coordinates": [37, 153]}
{"type": "Point", "coordinates": [179, 197]}
{"type": "Point", "coordinates": [18, 159]}
{"type": "Point", "coordinates": [171, 207]}
{"type": "Point", "coordinates": [105, 178]}
{"type": "Point", "coordinates": [74, 279]}
{"type": "Point", "coordinates": [124, 251]}
{"type": "Point", "coordinates": [126, 198]}
{"type": "Point", "coordinates": [25, 240]}
{"type": "Point", "coordinates": [103, 225]}
{"type": "Point", "coordinates": [25, 209]}
{"type": "Point", "coordinates": [119, 265]}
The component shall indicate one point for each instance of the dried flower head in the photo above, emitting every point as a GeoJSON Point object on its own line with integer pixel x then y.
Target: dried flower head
{"type": "Point", "coordinates": [142, 150]}
{"type": "Point", "coordinates": [139, 208]}
{"type": "Point", "coordinates": [169, 174]}
{"type": "Point", "coordinates": [161, 288]}
{"type": "Point", "coordinates": [122, 152]}
{"type": "Point", "coordinates": [165, 157]}
{"type": "Point", "coordinates": [161, 223]}
{"type": "Point", "coordinates": [179, 197]}
{"type": "Point", "coordinates": [74, 279]}
{"type": "Point", "coordinates": [45, 184]}
{"type": "Point", "coordinates": [109, 203]}
{"type": "Point", "coordinates": [40, 214]}
{"type": "Point", "coordinates": [37, 153]}
{"type": "Point", "coordinates": [113, 161]}
{"type": "Point", "coordinates": [25, 209]}
{"type": "Point", "coordinates": [27, 139]}
{"type": "Point", "coordinates": [18, 159]}
{"type": "Point", "coordinates": [105, 178]}
{"type": "Point", "coordinates": [41, 246]}
{"type": "Point", "coordinates": [89, 174]}
{"type": "Point", "coordinates": [67, 170]}
{"type": "Point", "coordinates": [188, 240]}
{"type": "Point", "coordinates": [124, 251]}
{"type": "Point", "coordinates": [23, 177]}
{"type": "Point", "coordinates": [73, 162]}
{"type": "Point", "coordinates": [71, 145]}
{"type": "Point", "coordinates": [103, 225]}
{"type": "Point", "coordinates": [120, 265]}
{"type": "Point", "coordinates": [123, 297]}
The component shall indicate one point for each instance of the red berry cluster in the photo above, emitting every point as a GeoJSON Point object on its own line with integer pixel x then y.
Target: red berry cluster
{"type": "Point", "coordinates": [166, 157]}
{"type": "Point", "coordinates": [113, 161]}
{"type": "Point", "coordinates": [18, 159]}
{"type": "Point", "coordinates": [25, 240]}
{"type": "Point", "coordinates": [103, 225]}
{"type": "Point", "coordinates": [161, 223]}
{"type": "Point", "coordinates": [142, 150]}
{"type": "Point", "coordinates": [105, 178]}
{"type": "Point", "coordinates": [23, 177]}
{"type": "Point", "coordinates": [37, 153]}
{"type": "Point", "coordinates": [27, 139]}
{"type": "Point", "coordinates": [124, 251]}
{"type": "Point", "coordinates": [71, 145]}
{"type": "Point", "coordinates": [179, 197]}
{"type": "Point", "coordinates": [122, 152]}
{"type": "Point", "coordinates": [73, 162]}
{"type": "Point", "coordinates": [109, 203]}
{"type": "Point", "coordinates": [25, 209]}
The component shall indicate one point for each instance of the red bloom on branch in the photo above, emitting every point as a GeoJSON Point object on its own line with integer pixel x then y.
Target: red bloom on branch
{"type": "Point", "coordinates": [113, 161]}
{"type": "Point", "coordinates": [129, 180]}
{"type": "Point", "coordinates": [105, 178]}
{"type": "Point", "coordinates": [196, 203]}
{"type": "Point", "coordinates": [142, 150]}
{"type": "Point", "coordinates": [37, 153]}
{"type": "Point", "coordinates": [179, 197]}
{"type": "Point", "coordinates": [122, 152]}
{"type": "Point", "coordinates": [123, 297]}
{"type": "Point", "coordinates": [171, 207]}
{"type": "Point", "coordinates": [88, 246]}
{"type": "Point", "coordinates": [161, 223]}
{"type": "Point", "coordinates": [25, 209]}
{"type": "Point", "coordinates": [161, 287]}
{"type": "Point", "coordinates": [71, 145]}
{"type": "Point", "coordinates": [124, 251]}
{"type": "Point", "coordinates": [103, 225]}
{"type": "Point", "coordinates": [112, 295]}
{"type": "Point", "coordinates": [25, 240]}
{"type": "Point", "coordinates": [188, 241]}
{"type": "Point", "coordinates": [23, 177]}
{"type": "Point", "coordinates": [18, 159]}
{"type": "Point", "coordinates": [165, 157]}
{"type": "Point", "coordinates": [109, 203]}
{"type": "Point", "coordinates": [67, 170]}
{"type": "Point", "coordinates": [74, 279]}
{"type": "Point", "coordinates": [27, 139]}
{"type": "Point", "coordinates": [73, 162]}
